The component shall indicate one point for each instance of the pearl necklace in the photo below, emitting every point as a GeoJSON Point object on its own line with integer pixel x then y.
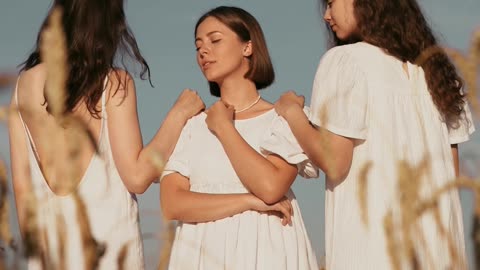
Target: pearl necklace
{"type": "Point", "coordinates": [249, 106]}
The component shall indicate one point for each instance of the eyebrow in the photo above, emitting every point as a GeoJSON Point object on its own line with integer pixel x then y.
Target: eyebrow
{"type": "Point", "coordinates": [209, 34]}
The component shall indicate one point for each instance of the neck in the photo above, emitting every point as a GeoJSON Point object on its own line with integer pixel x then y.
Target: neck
{"type": "Point", "coordinates": [238, 94]}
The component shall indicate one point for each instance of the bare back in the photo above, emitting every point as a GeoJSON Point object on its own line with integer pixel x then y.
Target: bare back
{"type": "Point", "coordinates": [50, 140]}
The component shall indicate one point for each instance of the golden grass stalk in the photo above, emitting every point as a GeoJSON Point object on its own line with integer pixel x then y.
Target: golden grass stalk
{"type": "Point", "coordinates": [53, 51]}
{"type": "Point", "coordinates": [363, 192]}
{"type": "Point", "coordinates": [5, 232]}
{"type": "Point", "coordinates": [92, 250]}
{"type": "Point", "coordinates": [6, 80]}
{"type": "Point", "coordinates": [122, 255]}
{"type": "Point", "coordinates": [62, 239]}
{"type": "Point", "coordinates": [168, 237]}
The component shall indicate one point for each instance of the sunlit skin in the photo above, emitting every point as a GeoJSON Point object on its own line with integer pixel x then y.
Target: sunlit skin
{"type": "Point", "coordinates": [339, 14]}
{"type": "Point", "coordinates": [223, 58]}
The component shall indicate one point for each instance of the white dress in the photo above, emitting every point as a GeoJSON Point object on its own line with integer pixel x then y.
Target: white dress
{"type": "Point", "coordinates": [249, 240]}
{"type": "Point", "coordinates": [362, 93]}
{"type": "Point", "coordinates": [111, 209]}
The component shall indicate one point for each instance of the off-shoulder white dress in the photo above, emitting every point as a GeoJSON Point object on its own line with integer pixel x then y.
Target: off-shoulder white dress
{"type": "Point", "coordinates": [362, 93]}
{"type": "Point", "coordinates": [249, 240]}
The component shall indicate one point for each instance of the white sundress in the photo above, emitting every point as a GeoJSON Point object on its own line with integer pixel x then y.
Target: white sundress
{"type": "Point", "coordinates": [362, 93]}
{"type": "Point", "coordinates": [111, 209]}
{"type": "Point", "coordinates": [249, 240]}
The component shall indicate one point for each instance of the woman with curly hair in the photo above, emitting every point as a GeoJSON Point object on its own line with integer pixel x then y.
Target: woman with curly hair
{"type": "Point", "coordinates": [379, 104]}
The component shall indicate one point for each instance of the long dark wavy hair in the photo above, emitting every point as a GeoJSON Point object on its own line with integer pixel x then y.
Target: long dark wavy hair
{"type": "Point", "coordinates": [400, 28]}
{"type": "Point", "coordinates": [247, 28]}
{"type": "Point", "coordinates": [98, 39]}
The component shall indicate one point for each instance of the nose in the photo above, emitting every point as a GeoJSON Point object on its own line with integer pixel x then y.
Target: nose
{"type": "Point", "coordinates": [327, 16]}
{"type": "Point", "coordinates": [202, 51]}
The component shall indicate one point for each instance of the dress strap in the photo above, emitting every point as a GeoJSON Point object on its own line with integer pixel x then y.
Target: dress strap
{"type": "Point", "coordinates": [104, 99]}
{"type": "Point", "coordinates": [27, 131]}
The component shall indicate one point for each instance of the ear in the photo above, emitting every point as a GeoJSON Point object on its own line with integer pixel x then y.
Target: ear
{"type": "Point", "coordinates": [248, 50]}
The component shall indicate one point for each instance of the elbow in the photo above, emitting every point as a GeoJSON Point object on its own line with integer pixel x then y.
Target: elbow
{"type": "Point", "coordinates": [271, 194]}
{"type": "Point", "coordinates": [336, 174]}
{"type": "Point", "coordinates": [137, 188]}
{"type": "Point", "coordinates": [171, 211]}
{"type": "Point", "coordinates": [168, 213]}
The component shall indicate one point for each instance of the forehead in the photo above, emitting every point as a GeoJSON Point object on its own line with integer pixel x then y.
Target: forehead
{"type": "Point", "coordinates": [210, 25]}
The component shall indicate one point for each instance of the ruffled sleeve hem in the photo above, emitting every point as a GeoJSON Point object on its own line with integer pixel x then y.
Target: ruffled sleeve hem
{"type": "Point", "coordinates": [279, 140]}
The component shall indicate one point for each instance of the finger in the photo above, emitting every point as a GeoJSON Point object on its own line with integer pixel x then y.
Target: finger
{"type": "Point", "coordinates": [286, 214]}
{"type": "Point", "coordinates": [289, 208]}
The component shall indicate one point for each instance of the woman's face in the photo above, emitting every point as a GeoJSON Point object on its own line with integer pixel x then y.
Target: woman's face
{"type": "Point", "coordinates": [339, 14]}
{"type": "Point", "coordinates": [220, 52]}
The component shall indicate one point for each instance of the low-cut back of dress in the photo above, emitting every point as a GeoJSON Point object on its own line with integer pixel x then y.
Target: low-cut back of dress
{"type": "Point", "coordinates": [99, 206]}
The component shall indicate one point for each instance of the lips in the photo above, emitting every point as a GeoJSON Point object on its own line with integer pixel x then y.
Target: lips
{"type": "Point", "coordinates": [207, 64]}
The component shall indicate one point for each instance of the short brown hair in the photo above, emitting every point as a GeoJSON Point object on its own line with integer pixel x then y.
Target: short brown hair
{"type": "Point", "coordinates": [248, 29]}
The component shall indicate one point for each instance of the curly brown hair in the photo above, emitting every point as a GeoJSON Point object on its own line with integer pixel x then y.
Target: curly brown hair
{"type": "Point", "coordinates": [98, 41]}
{"type": "Point", "coordinates": [400, 28]}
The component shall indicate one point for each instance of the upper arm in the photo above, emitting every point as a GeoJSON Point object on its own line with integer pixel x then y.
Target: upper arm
{"type": "Point", "coordinates": [336, 155]}
{"type": "Point", "coordinates": [285, 173]}
{"type": "Point", "coordinates": [19, 160]}
{"type": "Point", "coordinates": [169, 186]}
{"type": "Point", "coordinates": [124, 130]}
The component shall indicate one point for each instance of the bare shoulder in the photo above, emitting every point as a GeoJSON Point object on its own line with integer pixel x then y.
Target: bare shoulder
{"type": "Point", "coordinates": [30, 87]}
{"type": "Point", "coordinates": [119, 85]}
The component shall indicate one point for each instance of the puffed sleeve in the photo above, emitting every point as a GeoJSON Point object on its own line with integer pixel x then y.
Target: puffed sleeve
{"type": "Point", "coordinates": [279, 140]}
{"type": "Point", "coordinates": [340, 95]}
{"type": "Point", "coordinates": [464, 128]}
{"type": "Point", "coordinates": [179, 160]}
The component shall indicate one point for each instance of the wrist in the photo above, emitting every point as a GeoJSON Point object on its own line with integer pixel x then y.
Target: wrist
{"type": "Point", "coordinates": [223, 128]}
{"type": "Point", "coordinates": [251, 201]}
{"type": "Point", "coordinates": [293, 113]}
{"type": "Point", "coordinates": [178, 115]}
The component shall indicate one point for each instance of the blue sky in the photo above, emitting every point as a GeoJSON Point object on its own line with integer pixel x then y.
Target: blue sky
{"type": "Point", "coordinates": [164, 30]}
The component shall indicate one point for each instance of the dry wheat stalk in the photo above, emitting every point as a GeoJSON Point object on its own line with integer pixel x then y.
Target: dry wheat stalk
{"type": "Point", "coordinates": [6, 80]}
{"type": "Point", "coordinates": [122, 255]}
{"type": "Point", "coordinates": [92, 250]}
{"type": "Point", "coordinates": [363, 191]}
{"type": "Point", "coordinates": [5, 233]}
{"type": "Point", "coordinates": [62, 239]}
{"type": "Point", "coordinates": [53, 50]}
{"type": "Point", "coordinates": [168, 237]}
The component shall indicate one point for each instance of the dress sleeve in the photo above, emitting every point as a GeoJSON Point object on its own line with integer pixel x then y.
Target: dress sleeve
{"type": "Point", "coordinates": [179, 159]}
{"type": "Point", "coordinates": [465, 127]}
{"type": "Point", "coordinates": [340, 95]}
{"type": "Point", "coordinates": [279, 140]}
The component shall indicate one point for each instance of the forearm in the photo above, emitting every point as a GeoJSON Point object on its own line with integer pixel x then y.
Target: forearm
{"type": "Point", "coordinates": [260, 176]}
{"type": "Point", "coordinates": [329, 152]}
{"type": "Point", "coordinates": [187, 206]}
{"type": "Point", "coordinates": [149, 163]}
{"type": "Point", "coordinates": [167, 135]}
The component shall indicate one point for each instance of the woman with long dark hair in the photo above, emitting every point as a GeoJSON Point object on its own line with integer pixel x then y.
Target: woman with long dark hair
{"type": "Point", "coordinates": [100, 93]}
{"type": "Point", "coordinates": [382, 108]}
